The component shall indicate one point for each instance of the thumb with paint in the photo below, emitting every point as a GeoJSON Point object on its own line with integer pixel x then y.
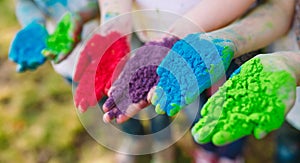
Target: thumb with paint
{"type": "Point", "coordinates": [254, 100]}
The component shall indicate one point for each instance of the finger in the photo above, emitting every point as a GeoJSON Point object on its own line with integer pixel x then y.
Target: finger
{"type": "Point", "coordinates": [223, 137]}
{"type": "Point", "coordinates": [259, 132]}
{"type": "Point", "coordinates": [122, 118]}
{"type": "Point", "coordinates": [114, 113]}
{"type": "Point", "coordinates": [109, 104]}
{"type": "Point", "coordinates": [203, 133]}
{"type": "Point", "coordinates": [131, 111]}
{"type": "Point", "coordinates": [106, 118]}
{"type": "Point", "coordinates": [109, 91]}
{"type": "Point", "coordinates": [151, 94]}
{"type": "Point", "coordinates": [82, 105]}
{"type": "Point", "coordinates": [157, 95]}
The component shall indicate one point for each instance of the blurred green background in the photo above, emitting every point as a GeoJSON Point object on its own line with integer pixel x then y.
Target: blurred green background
{"type": "Point", "coordinates": [38, 121]}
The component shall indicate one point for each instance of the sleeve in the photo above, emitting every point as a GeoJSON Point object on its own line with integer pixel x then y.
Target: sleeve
{"type": "Point", "coordinates": [27, 12]}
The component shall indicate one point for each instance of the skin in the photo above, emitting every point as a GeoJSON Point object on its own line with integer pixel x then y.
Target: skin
{"type": "Point", "coordinates": [256, 30]}
{"type": "Point", "coordinates": [111, 9]}
{"type": "Point", "coordinates": [257, 120]}
{"type": "Point", "coordinates": [217, 20]}
{"type": "Point", "coordinates": [219, 15]}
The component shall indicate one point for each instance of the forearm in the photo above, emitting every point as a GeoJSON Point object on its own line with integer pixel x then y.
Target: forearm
{"type": "Point", "coordinates": [88, 12]}
{"type": "Point", "coordinates": [210, 15]}
{"type": "Point", "coordinates": [28, 12]}
{"type": "Point", "coordinates": [112, 9]}
{"type": "Point", "coordinates": [261, 27]}
{"type": "Point", "coordinates": [292, 60]}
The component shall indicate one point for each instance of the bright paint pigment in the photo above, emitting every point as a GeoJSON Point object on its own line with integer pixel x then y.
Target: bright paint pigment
{"type": "Point", "coordinates": [250, 102]}
{"type": "Point", "coordinates": [193, 65]}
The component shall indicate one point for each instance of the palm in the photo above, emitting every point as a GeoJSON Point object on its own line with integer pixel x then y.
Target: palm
{"type": "Point", "coordinates": [22, 50]}
{"type": "Point", "coordinates": [255, 100]}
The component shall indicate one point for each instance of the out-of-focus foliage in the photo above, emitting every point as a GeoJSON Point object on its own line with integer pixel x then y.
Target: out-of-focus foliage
{"type": "Point", "coordinates": [38, 121]}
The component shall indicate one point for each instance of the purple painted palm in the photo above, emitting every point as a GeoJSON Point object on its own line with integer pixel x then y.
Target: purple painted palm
{"type": "Point", "coordinates": [137, 78]}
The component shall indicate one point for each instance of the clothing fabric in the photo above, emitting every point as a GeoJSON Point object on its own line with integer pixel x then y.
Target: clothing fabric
{"type": "Point", "coordinates": [157, 123]}
{"type": "Point", "coordinates": [288, 144]}
{"type": "Point", "coordinates": [158, 16]}
{"type": "Point", "coordinates": [37, 9]}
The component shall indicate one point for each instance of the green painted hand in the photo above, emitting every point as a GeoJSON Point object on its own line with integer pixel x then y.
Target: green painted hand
{"type": "Point", "coordinates": [253, 101]}
{"type": "Point", "coordinates": [66, 35]}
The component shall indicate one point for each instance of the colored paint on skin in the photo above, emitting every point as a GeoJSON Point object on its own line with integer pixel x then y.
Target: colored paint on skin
{"type": "Point", "coordinates": [54, 2]}
{"type": "Point", "coordinates": [141, 82]}
{"type": "Point", "coordinates": [27, 45]}
{"type": "Point", "coordinates": [193, 64]}
{"type": "Point", "coordinates": [251, 101]}
{"type": "Point", "coordinates": [96, 65]}
{"type": "Point", "coordinates": [138, 76]}
{"type": "Point", "coordinates": [62, 41]}
{"type": "Point", "coordinates": [110, 15]}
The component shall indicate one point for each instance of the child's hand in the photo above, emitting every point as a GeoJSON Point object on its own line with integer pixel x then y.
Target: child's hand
{"type": "Point", "coordinates": [194, 64]}
{"type": "Point", "coordinates": [26, 48]}
{"type": "Point", "coordinates": [128, 94]}
{"type": "Point", "coordinates": [66, 35]}
{"type": "Point", "coordinates": [96, 67]}
{"type": "Point", "coordinates": [253, 101]}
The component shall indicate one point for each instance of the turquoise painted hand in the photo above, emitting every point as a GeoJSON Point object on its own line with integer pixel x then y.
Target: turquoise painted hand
{"type": "Point", "coordinates": [26, 48]}
{"type": "Point", "coordinates": [252, 101]}
{"type": "Point", "coordinates": [191, 66]}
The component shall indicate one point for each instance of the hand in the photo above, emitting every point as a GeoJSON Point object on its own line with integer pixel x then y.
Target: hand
{"type": "Point", "coordinates": [65, 37]}
{"type": "Point", "coordinates": [253, 101]}
{"type": "Point", "coordinates": [194, 64]}
{"type": "Point", "coordinates": [27, 45]}
{"type": "Point", "coordinates": [96, 65]}
{"type": "Point", "coordinates": [128, 94]}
